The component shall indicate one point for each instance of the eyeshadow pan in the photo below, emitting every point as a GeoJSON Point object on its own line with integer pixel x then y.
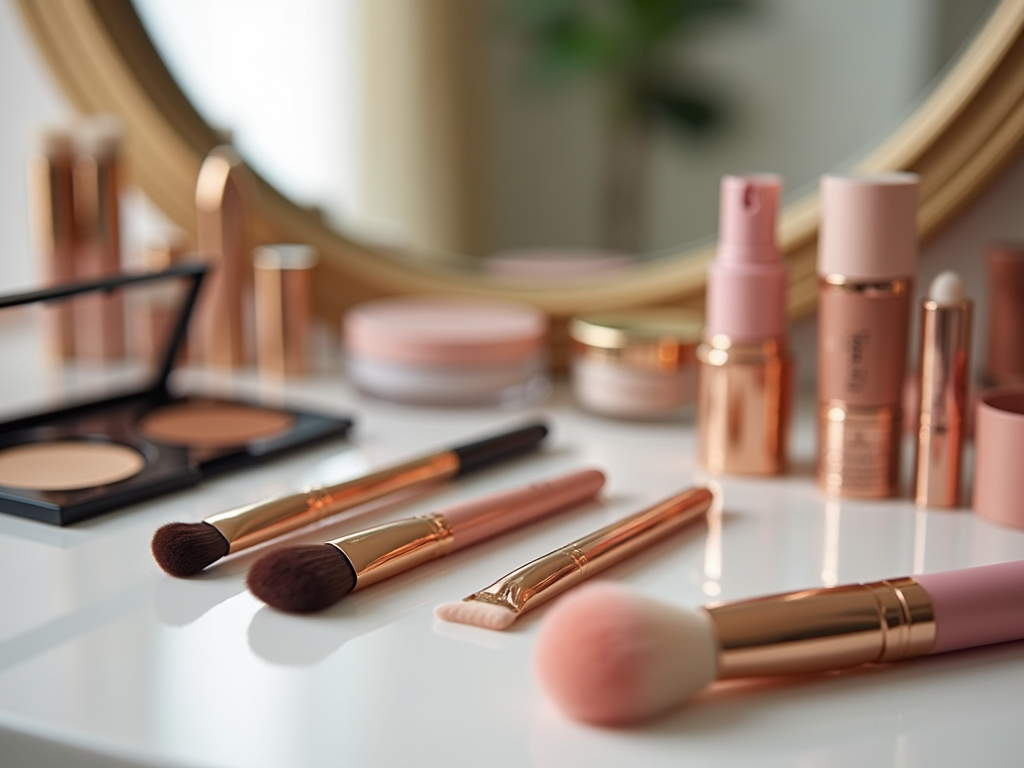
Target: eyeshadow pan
{"type": "Point", "coordinates": [66, 465]}
{"type": "Point", "coordinates": [213, 425]}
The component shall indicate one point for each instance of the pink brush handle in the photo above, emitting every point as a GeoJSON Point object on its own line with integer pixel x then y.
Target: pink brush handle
{"type": "Point", "coordinates": [482, 518]}
{"type": "Point", "coordinates": [976, 606]}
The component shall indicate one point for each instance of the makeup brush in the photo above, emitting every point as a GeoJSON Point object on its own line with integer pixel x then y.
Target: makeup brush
{"type": "Point", "coordinates": [310, 578]}
{"type": "Point", "coordinates": [611, 657]}
{"type": "Point", "coordinates": [499, 605]}
{"type": "Point", "coordinates": [184, 549]}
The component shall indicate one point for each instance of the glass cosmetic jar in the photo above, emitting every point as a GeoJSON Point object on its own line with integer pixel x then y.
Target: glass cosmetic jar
{"type": "Point", "coordinates": [638, 364]}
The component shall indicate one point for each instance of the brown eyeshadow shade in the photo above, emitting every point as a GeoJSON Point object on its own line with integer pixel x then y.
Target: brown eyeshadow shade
{"type": "Point", "coordinates": [67, 465]}
{"type": "Point", "coordinates": [213, 425]}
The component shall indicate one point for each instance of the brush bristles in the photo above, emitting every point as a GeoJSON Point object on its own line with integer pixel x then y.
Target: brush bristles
{"type": "Point", "coordinates": [184, 549]}
{"type": "Point", "coordinates": [302, 579]}
{"type": "Point", "coordinates": [486, 615]}
{"type": "Point", "coordinates": [611, 657]}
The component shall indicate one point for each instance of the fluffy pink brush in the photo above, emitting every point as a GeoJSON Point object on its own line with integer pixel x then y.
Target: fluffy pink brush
{"type": "Point", "coordinates": [611, 657]}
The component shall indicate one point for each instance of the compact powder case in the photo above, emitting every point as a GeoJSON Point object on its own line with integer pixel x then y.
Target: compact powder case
{"type": "Point", "coordinates": [129, 437]}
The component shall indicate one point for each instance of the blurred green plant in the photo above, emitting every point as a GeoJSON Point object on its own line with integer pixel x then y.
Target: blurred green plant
{"type": "Point", "coordinates": [633, 49]}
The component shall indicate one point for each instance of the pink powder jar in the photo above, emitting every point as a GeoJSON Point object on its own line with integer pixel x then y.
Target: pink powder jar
{"type": "Point", "coordinates": [637, 364]}
{"type": "Point", "coordinates": [443, 350]}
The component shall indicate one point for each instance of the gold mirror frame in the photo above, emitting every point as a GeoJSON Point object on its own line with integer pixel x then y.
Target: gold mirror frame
{"type": "Point", "coordinates": [959, 138]}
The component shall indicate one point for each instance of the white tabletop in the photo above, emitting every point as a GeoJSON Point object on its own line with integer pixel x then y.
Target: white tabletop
{"type": "Point", "coordinates": [104, 660]}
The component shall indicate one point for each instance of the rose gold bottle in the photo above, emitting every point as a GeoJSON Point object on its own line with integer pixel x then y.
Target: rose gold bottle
{"type": "Point", "coordinates": [866, 258]}
{"type": "Point", "coordinates": [284, 307]}
{"type": "Point", "coordinates": [53, 228]}
{"type": "Point", "coordinates": [745, 371]}
{"type": "Point", "coordinates": [223, 199]}
{"type": "Point", "coordinates": [100, 318]}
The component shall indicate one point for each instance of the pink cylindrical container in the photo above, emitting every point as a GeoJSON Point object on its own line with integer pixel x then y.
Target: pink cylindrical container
{"type": "Point", "coordinates": [745, 368]}
{"type": "Point", "coordinates": [445, 350]}
{"type": "Point", "coordinates": [867, 255]}
{"type": "Point", "coordinates": [998, 448]}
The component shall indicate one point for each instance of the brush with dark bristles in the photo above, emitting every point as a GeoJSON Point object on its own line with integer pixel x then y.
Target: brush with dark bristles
{"type": "Point", "coordinates": [310, 578]}
{"type": "Point", "coordinates": [184, 549]}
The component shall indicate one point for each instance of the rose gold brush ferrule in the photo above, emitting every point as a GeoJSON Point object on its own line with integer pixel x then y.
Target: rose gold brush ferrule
{"type": "Point", "coordinates": [385, 550]}
{"type": "Point", "coordinates": [823, 629]}
{"type": "Point", "coordinates": [253, 524]}
{"type": "Point", "coordinates": [945, 348]}
{"type": "Point", "coordinates": [744, 396]}
{"type": "Point", "coordinates": [99, 319]}
{"type": "Point", "coordinates": [553, 573]}
{"type": "Point", "coordinates": [861, 363]}
{"type": "Point", "coordinates": [223, 192]}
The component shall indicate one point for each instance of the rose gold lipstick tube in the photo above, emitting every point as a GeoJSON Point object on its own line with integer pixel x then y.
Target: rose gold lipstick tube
{"type": "Point", "coordinates": [866, 258]}
{"type": "Point", "coordinates": [100, 318]}
{"type": "Point", "coordinates": [945, 350]}
{"type": "Point", "coordinates": [53, 226]}
{"type": "Point", "coordinates": [745, 371]}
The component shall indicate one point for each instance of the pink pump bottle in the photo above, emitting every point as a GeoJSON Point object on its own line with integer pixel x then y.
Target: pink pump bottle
{"type": "Point", "coordinates": [745, 384]}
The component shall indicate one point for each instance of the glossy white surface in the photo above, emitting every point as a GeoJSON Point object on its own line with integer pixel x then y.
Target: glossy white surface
{"type": "Point", "coordinates": [100, 651]}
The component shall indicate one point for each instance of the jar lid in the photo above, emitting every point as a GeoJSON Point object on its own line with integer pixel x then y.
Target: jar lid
{"type": "Point", "coordinates": [445, 330]}
{"type": "Point", "coordinates": [650, 339]}
{"type": "Point", "coordinates": [624, 328]}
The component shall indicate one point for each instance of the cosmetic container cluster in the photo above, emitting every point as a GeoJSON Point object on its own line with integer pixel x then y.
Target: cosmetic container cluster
{"type": "Point", "coordinates": [603, 654]}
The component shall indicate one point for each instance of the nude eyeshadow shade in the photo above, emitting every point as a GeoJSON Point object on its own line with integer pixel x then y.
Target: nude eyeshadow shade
{"type": "Point", "coordinates": [66, 465]}
{"type": "Point", "coordinates": [78, 440]}
{"type": "Point", "coordinates": [213, 424]}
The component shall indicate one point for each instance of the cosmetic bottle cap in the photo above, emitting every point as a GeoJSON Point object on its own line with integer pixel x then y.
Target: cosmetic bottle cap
{"type": "Point", "coordinates": [998, 443]}
{"type": "Point", "coordinates": [746, 290]}
{"type": "Point", "coordinates": [748, 209]}
{"type": "Point", "coordinates": [868, 226]}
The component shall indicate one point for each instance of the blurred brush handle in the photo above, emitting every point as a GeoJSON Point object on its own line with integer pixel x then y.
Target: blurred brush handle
{"type": "Point", "coordinates": [555, 572]}
{"type": "Point", "coordinates": [253, 524]}
{"type": "Point", "coordinates": [391, 548]}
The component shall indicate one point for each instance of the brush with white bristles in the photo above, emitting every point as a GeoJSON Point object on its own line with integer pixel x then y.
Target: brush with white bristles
{"type": "Point", "coordinates": [609, 656]}
{"type": "Point", "coordinates": [499, 605]}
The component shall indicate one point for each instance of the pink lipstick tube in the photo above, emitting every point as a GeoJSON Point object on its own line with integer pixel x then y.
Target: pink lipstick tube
{"type": "Point", "coordinates": [745, 371]}
{"type": "Point", "coordinates": [867, 255]}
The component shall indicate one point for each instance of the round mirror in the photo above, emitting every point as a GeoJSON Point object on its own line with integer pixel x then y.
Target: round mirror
{"type": "Point", "coordinates": [513, 125]}
{"type": "Point", "coordinates": [456, 129]}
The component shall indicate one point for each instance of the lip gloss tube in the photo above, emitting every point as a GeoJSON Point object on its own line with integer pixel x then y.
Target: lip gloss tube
{"type": "Point", "coordinates": [744, 390]}
{"type": "Point", "coordinates": [866, 259]}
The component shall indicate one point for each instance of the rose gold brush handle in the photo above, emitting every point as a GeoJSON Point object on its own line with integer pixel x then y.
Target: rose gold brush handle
{"type": "Point", "coordinates": [555, 572]}
{"type": "Point", "coordinates": [253, 524]}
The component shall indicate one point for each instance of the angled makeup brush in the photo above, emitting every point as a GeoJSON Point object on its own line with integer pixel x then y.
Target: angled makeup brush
{"type": "Point", "coordinates": [612, 657]}
{"type": "Point", "coordinates": [310, 578]}
{"type": "Point", "coordinates": [184, 549]}
{"type": "Point", "coordinates": [499, 605]}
